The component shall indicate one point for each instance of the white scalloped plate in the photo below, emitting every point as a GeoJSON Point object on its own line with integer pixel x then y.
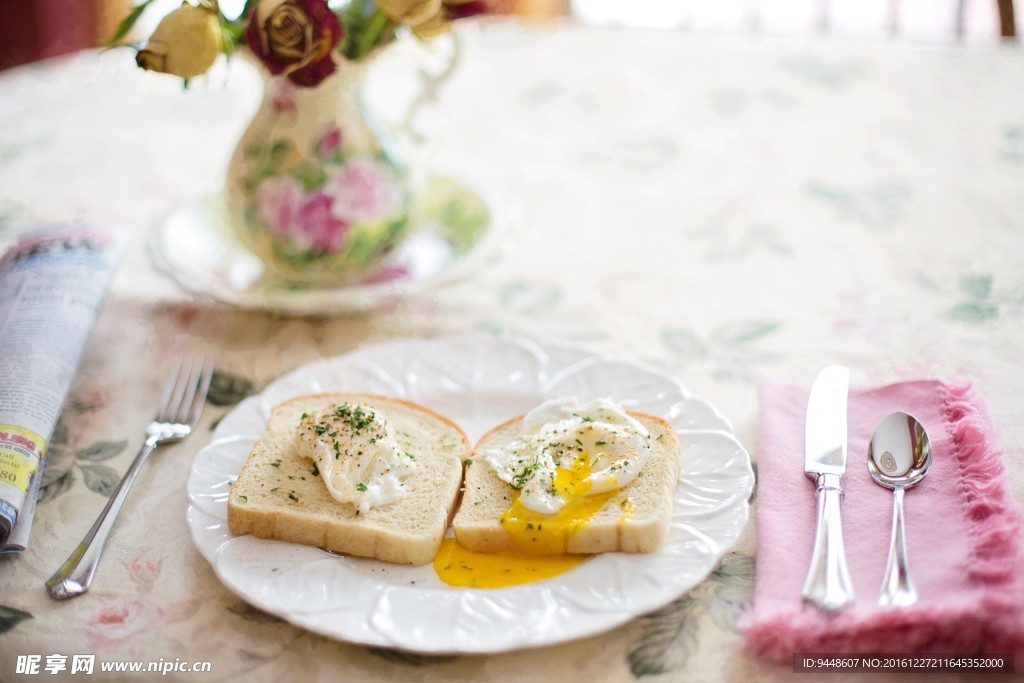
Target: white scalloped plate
{"type": "Point", "coordinates": [478, 382]}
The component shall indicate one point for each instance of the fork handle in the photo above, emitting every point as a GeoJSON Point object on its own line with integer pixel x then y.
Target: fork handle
{"type": "Point", "coordinates": [75, 575]}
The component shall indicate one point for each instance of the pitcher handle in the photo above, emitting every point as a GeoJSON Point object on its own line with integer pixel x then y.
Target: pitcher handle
{"type": "Point", "coordinates": [430, 87]}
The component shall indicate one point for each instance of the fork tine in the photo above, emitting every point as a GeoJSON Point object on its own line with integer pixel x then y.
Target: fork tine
{"type": "Point", "coordinates": [190, 382]}
{"type": "Point", "coordinates": [181, 383]}
{"type": "Point", "coordinates": [204, 375]}
{"type": "Point", "coordinates": [165, 400]}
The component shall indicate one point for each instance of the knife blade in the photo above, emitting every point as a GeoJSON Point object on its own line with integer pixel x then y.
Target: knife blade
{"type": "Point", "coordinates": [828, 582]}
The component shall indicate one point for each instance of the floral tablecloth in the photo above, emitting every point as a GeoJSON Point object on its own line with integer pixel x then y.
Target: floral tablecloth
{"type": "Point", "coordinates": [725, 208]}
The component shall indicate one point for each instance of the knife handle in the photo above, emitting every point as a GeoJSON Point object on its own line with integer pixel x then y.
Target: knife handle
{"type": "Point", "coordinates": [828, 580]}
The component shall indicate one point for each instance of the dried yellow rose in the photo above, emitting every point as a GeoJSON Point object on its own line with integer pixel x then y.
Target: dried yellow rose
{"type": "Point", "coordinates": [412, 13]}
{"type": "Point", "coordinates": [185, 43]}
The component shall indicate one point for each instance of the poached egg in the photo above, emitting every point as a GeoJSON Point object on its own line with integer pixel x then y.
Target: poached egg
{"type": "Point", "coordinates": [353, 448]}
{"type": "Point", "coordinates": [567, 461]}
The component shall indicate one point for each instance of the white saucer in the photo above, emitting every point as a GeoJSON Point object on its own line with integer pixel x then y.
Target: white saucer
{"type": "Point", "coordinates": [455, 234]}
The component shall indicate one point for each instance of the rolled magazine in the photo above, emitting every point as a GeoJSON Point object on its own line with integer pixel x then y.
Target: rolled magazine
{"type": "Point", "coordinates": [52, 285]}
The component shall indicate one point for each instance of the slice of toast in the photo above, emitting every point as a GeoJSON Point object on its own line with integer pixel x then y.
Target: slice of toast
{"type": "Point", "coordinates": [635, 519]}
{"type": "Point", "coordinates": [278, 496]}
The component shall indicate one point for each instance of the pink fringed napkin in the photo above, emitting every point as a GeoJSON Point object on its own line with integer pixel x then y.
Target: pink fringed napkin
{"type": "Point", "coordinates": [962, 533]}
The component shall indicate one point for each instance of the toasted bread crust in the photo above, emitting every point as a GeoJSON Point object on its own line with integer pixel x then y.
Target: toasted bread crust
{"type": "Point", "coordinates": [284, 501]}
{"type": "Point", "coordinates": [649, 498]}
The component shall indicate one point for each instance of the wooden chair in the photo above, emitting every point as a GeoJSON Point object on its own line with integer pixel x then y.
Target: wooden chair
{"type": "Point", "coordinates": [1007, 24]}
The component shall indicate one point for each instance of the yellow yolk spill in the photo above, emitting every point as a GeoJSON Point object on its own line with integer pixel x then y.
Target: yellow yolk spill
{"type": "Point", "coordinates": [537, 533]}
{"type": "Point", "coordinates": [540, 539]}
{"type": "Point", "coordinates": [457, 566]}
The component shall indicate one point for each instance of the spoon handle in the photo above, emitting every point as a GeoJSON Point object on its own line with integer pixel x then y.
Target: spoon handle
{"type": "Point", "coordinates": [897, 589]}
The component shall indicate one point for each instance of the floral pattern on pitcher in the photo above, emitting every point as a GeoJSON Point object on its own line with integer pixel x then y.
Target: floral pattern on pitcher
{"type": "Point", "coordinates": [333, 211]}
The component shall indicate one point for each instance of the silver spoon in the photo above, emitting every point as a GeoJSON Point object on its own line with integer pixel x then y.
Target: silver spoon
{"type": "Point", "coordinates": [899, 456]}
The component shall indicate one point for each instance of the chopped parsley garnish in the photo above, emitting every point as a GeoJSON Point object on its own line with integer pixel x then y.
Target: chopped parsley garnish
{"type": "Point", "coordinates": [276, 463]}
{"type": "Point", "coordinates": [315, 471]}
{"type": "Point", "coordinates": [291, 494]}
{"type": "Point", "coordinates": [583, 417]}
{"type": "Point", "coordinates": [519, 480]}
{"type": "Point", "coordinates": [467, 462]}
{"type": "Point", "coordinates": [304, 416]}
{"type": "Point", "coordinates": [361, 487]}
{"type": "Point", "coordinates": [600, 443]}
{"type": "Point", "coordinates": [356, 417]}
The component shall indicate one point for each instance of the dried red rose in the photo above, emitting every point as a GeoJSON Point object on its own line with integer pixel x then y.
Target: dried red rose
{"type": "Point", "coordinates": [295, 38]}
{"type": "Point", "coordinates": [463, 9]}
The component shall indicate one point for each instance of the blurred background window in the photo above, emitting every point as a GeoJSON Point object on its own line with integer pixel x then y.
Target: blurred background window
{"type": "Point", "coordinates": [36, 29]}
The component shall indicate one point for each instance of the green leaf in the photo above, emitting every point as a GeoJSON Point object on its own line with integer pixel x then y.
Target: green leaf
{"type": "Point", "coordinates": [227, 389]}
{"type": "Point", "coordinates": [735, 566]}
{"type": "Point", "coordinates": [733, 581]}
{"type": "Point", "coordinates": [311, 175]}
{"type": "Point", "coordinates": [250, 613]}
{"type": "Point", "coordinates": [683, 343]}
{"type": "Point", "coordinates": [460, 217]}
{"type": "Point", "coordinates": [232, 32]}
{"type": "Point", "coordinates": [372, 32]}
{"type": "Point", "coordinates": [743, 331]}
{"type": "Point", "coordinates": [976, 286]}
{"type": "Point", "coordinates": [279, 151]}
{"type": "Point", "coordinates": [666, 640]}
{"type": "Point", "coordinates": [11, 617]}
{"type": "Point", "coordinates": [525, 298]}
{"type": "Point", "coordinates": [407, 658]}
{"type": "Point", "coordinates": [255, 658]}
{"type": "Point", "coordinates": [101, 450]}
{"type": "Point", "coordinates": [974, 312]}
{"type": "Point", "coordinates": [352, 19]}
{"type": "Point", "coordinates": [100, 479]}
{"type": "Point", "coordinates": [127, 23]}
{"type": "Point", "coordinates": [54, 483]}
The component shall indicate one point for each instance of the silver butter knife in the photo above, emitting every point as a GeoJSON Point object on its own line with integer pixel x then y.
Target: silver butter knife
{"type": "Point", "coordinates": [828, 580]}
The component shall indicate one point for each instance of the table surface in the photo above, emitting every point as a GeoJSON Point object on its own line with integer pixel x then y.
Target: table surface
{"type": "Point", "coordinates": [728, 209]}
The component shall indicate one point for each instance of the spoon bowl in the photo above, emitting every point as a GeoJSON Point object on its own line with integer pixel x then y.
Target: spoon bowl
{"type": "Point", "coordinates": [900, 453]}
{"type": "Point", "coordinates": [899, 456]}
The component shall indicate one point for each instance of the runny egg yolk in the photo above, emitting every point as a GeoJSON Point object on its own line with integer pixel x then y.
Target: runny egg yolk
{"type": "Point", "coordinates": [568, 462]}
{"type": "Point", "coordinates": [538, 533]}
{"type": "Point", "coordinates": [540, 538]}
{"type": "Point", "coordinates": [457, 566]}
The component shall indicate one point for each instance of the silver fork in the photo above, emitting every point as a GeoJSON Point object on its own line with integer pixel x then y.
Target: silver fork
{"type": "Point", "coordinates": [180, 407]}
